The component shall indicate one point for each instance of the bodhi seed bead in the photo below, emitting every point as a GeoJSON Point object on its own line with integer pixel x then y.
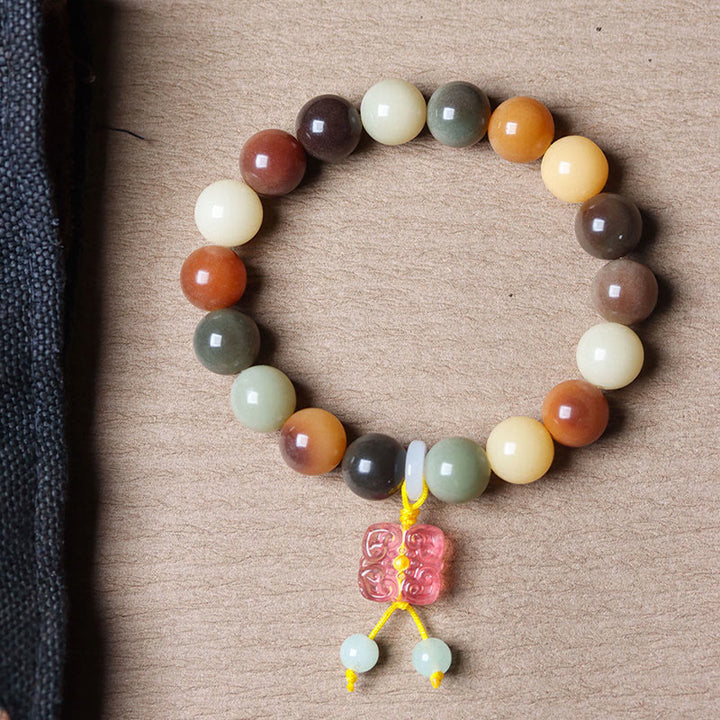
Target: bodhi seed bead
{"type": "Point", "coordinates": [520, 450]}
{"type": "Point", "coordinates": [373, 466]}
{"type": "Point", "coordinates": [228, 213]}
{"type": "Point", "coordinates": [393, 112]}
{"type": "Point", "coordinates": [610, 355]}
{"type": "Point", "coordinates": [608, 226]}
{"type": "Point", "coordinates": [624, 291]}
{"type": "Point", "coordinates": [456, 470]}
{"type": "Point", "coordinates": [312, 441]}
{"type": "Point", "coordinates": [226, 341]}
{"type": "Point", "coordinates": [574, 169]}
{"type": "Point", "coordinates": [458, 114]}
{"type": "Point", "coordinates": [272, 162]}
{"type": "Point", "coordinates": [213, 277]}
{"type": "Point", "coordinates": [328, 127]}
{"type": "Point", "coordinates": [262, 398]}
{"type": "Point", "coordinates": [521, 129]}
{"type": "Point", "coordinates": [575, 412]}
{"type": "Point", "coordinates": [359, 653]}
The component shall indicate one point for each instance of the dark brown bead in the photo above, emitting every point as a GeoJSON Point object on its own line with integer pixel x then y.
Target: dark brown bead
{"type": "Point", "coordinates": [272, 162]}
{"type": "Point", "coordinates": [608, 226]}
{"type": "Point", "coordinates": [575, 413]}
{"type": "Point", "coordinates": [624, 291]}
{"type": "Point", "coordinates": [328, 127]}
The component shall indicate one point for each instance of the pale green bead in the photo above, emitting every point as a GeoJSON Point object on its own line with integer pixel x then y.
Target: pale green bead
{"type": "Point", "coordinates": [431, 656]}
{"type": "Point", "coordinates": [359, 653]}
{"type": "Point", "coordinates": [262, 398]}
{"type": "Point", "coordinates": [457, 470]}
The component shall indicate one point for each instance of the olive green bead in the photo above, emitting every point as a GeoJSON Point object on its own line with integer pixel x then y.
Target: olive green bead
{"type": "Point", "coordinates": [457, 470]}
{"type": "Point", "coordinates": [458, 114]}
{"type": "Point", "coordinates": [263, 398]}
{"type": "Point", "coordinates": [226, 341]}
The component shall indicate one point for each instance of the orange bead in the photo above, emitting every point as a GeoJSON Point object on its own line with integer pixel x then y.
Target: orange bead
{"type": "Point", "coordinates": [312, 441]}
{"type": "Point", "coordinates": [575, 413]}
{"type": "Point", "coordinates": [521, 129]}
{"type": "Point", "coordinates": [213, 277]}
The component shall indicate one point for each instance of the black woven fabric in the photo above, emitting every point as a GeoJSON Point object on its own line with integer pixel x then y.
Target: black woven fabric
{"type": "Point", "coordinates": [32, 451]}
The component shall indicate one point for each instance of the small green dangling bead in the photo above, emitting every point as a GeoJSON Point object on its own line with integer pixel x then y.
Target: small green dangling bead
{"type": "Point", "coordinates": [431, 658]}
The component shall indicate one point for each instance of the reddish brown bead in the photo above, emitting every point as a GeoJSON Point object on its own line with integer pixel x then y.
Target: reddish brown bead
{"type": "Point", "coordinates": [575, 413]}
{"type": "Point", "coordinates": [272, 162]}
{"type": "Point", "coordinates": [312, 441]}
{"type": "Point", "coordinates": [624, 291]}
{"type": "Point", "coordinates": [213, 277]}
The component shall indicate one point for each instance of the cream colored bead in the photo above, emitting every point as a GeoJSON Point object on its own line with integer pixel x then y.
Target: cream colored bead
{"type": "Point", "coordinates": [574, 169]}
{"type": "Point", "coordinates": [228, 213]}
{"type": "Point", "coordinates": [520, 450]}
{"type": "Point", "coordinates": [393, 112]}
{"type": "Point", "coordinates": [610, 355]}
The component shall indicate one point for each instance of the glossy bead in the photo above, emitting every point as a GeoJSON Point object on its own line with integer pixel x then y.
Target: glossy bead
{"type": "Point", "coordinates": [610, 355]}
{"type": "Point", "coordinates": [213, 277]}
{"type": "Point", "coordinates": [262, 398]}
{"type": "Point", "coordinates": [328, 127]}
{"type": "Point", "coordinates": [373, 466]}
{"type": "Point", "coordinates": [520, 450]}
{"type": "Point", "coordinates": [272, 162]}
{"type": "Point", "coordinates": [226, 341]}
{"type": "Point", "coordinates": [312, 441]}
{"type": "Point", "coordinates": [415, 469]}
{"type": "Point", "coordinates": [456, 470]}
{"type": "Point", "coordinates": [521, 129]}
{"type": "Point", "coordinates": [624, 291]}
{"type": "Point", "coordinates": [228, 213]}
{"type": "Point", "coordinates": [458, 114]}
{"type": "Point", "coordinates": [575, 413]}
{"type": "Point", "coordinates": [359, 653]}
{"type": "Point", "coordinates": [430, 657]}
{"type": "Point", "coordinates": [608, 226]}
{"type": "Point", "coordinates": [393, 112]}
{"type": "Point", "coordinates": [574, 169]}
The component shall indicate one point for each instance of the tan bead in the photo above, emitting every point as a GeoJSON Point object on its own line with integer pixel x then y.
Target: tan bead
{"type": "Point", "coordinates": [521, 129]}
{"type": "Point", "coordinates": [574, 169]}
{"type": "Point", "coordinates": [520, 450]}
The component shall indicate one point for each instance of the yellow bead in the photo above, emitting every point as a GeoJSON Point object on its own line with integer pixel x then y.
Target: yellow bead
{"type": "Point", "coordinates": [574, 169]}
{"type": "Point", "coordinates": [520, 450]}
{"type": "Point", "coordinates": [401, 563]}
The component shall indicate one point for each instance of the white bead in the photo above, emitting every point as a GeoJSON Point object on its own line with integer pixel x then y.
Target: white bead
{"type": "Point", "coordinates": [393, 112]}
{"type": "Point", "coordinates": [430, 656]}
{"type": "Point", "coordinates": [228, 212]}
{"type": "Point", "coordinates": [610, 355]}
{"type": "Point", "coordinates": [415, 469]}
{"type": "Point", "coordinates": [359, 653]}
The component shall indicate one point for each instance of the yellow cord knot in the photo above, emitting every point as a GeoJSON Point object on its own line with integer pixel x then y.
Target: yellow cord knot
{"type": "Point", "coordinates": [402, 604]}
{"type": "Point", "coordinates": [351, 677]}
{"type": "Point", "coordinates": [408, 517]}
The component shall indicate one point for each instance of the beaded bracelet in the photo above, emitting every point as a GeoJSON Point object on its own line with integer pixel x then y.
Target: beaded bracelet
{"type": "Point", "coordinates": [402, 563]}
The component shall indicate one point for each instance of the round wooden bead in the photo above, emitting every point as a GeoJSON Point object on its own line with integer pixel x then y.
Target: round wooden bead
{"type": "Point", "coordinates": [328, 127]}
{"type": "Point", "coordinates": [456, 470]}
{"type": "Point", "coordinates": [574, 169]}
{"type": "Point", "coordinates": [272, 162]}
{"type": "Point", "coordinates": [393, 112]}
{"type": "Point", "coordinates": [520, 450]}
{"type": "Point", "coordinates": [262, 398]}
{"type": "Point", "coordinates": [521, 129]}
{"type": "Point", "coordinates": [312, 441]}
{"type": "Point", "coordinates": [624, 291]}
{"type": "Point", "coordinates": [374, 466]}
{"type": "Point", "coordinates": [458, 114]}
{"type": "Point", "coordinates": [226, 341]}
{"type": "Point", "coordinates": [228, 213]}
{"type": "Point", "coordinates": [213, 277]}
{"type": "Point", "coordinates": [610, 355]}
{"type": "Point", "coordinates": [608, 226]}
{"type": "Point", "coordinates": [575, 413]}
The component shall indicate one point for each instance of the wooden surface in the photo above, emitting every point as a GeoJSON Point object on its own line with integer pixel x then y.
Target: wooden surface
{"type": "Point", "coordinates": [418, 291]}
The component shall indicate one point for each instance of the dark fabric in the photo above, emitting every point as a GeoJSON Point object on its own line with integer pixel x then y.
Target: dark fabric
{"type": "Point", "coordinates": [32, 451]}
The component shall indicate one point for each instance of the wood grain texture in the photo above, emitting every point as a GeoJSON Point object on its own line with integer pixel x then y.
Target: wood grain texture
{"type": "Point", "coordinates": [423, 292]}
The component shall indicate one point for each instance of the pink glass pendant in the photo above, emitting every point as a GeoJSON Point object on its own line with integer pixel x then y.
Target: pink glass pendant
{"type": "Point", "coordinates": [421, 581]}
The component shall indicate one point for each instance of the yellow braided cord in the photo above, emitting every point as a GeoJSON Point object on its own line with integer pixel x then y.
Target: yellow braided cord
{"type": "Point", "coordinates": [351, 677]}
{"type": "Point", "coordinates": [410, 511]}
{"type": "Point", "coordinates": [418, 622]}
{"type": "Point", "coordinates": [385, 617]}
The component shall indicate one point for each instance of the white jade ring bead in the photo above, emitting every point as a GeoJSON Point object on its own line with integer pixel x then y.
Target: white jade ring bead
{"type": "Point", "coordinates": [415, 469]}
